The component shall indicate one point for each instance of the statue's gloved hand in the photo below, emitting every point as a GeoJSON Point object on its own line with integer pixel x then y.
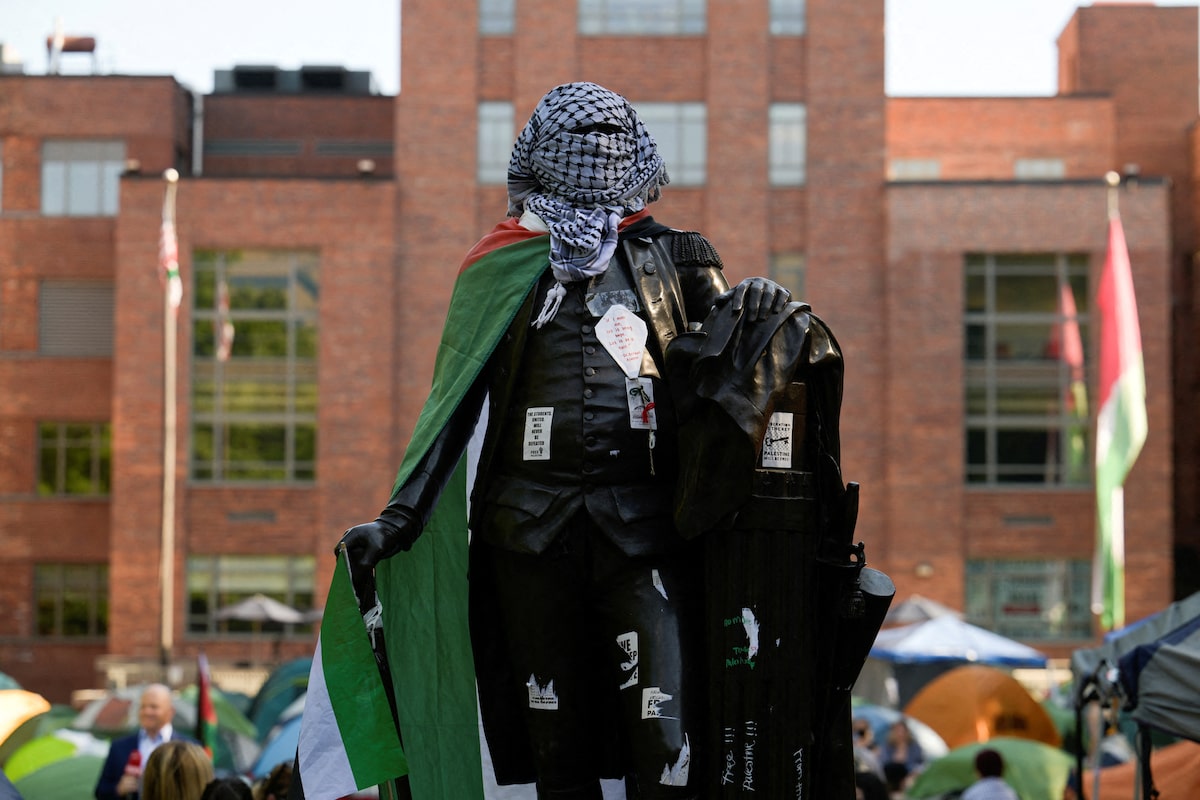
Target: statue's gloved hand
{"type": "Point", "coordinates": [368, 544]}
{"type": "Point", "coordinates": [761, 297]}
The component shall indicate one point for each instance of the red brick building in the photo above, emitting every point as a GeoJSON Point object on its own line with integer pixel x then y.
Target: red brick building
{"type": "Point", "coordinates": [334, 220]}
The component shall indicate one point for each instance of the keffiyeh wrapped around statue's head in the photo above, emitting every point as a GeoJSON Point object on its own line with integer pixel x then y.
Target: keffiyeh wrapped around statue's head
{"type": "Point", "coordinates": [583, 161]}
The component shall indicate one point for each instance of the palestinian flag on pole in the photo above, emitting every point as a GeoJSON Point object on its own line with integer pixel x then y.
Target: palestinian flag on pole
{"type": "Point", "coordinates": [1120, 424]}
{"type": "Point", "coordinates": [348, 739]}
{"type": "Point", "coordinates": [206, 714]}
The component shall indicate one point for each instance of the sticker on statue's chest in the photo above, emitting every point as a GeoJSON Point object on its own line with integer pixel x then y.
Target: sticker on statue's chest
{"type": "Point", "coordinates": [623, 335]}
{"type": "Point", "coordinates": [537, 433]}
{"type": "Point", "coordinates": [599, 301]}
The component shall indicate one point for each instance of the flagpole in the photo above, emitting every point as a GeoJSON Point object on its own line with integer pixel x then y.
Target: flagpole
{"type": "Point", "coordinates": [170, 325]}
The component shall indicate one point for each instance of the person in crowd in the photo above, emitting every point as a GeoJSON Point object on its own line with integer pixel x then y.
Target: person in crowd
{"type": "Point", "coordinates": [230, 787]}
{"type": "Point", "coordinates": [121, 775]}
{"type": "Point", "coordinates": [176, 770]}
{"type": "Point", "coordinates": [989, 765]}
{"type": "Point", "coordinates": [276, 785]}
{"type": "Point", "coordinates": [901, 756]}
{"type": "Point", "coordinates": [866, 749]}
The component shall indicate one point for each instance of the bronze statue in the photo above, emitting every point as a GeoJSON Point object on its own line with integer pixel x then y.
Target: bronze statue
{"type": "Point", "coordinates": [604, 351]}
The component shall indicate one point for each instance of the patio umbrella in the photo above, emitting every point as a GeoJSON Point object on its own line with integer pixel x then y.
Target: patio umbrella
{"type": "Point", "coordinates": [974, 703]}
{"type": "Point", "coordinates": [260, 608]}
{"type": "Point", "coordinates": [37, 753]}
{"type": "Point", "coordinates": [72, 778]}
{"type": "Point", "coordinates": [1035, 770]}
{"type": "Point", "coordinates": [916, 608]}
{"type": "Point", "coordinates": [16, 706]}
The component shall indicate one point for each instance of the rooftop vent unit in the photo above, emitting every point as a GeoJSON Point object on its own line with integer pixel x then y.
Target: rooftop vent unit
{"type": "Point", "coordinates": [255, 78]}
{"type": "Point", "coordinates": [322, 79]}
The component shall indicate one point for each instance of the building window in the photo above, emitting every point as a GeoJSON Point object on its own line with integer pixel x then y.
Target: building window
{"type": "Point", "coordinates": [81, 178]}
{"type": "Point", "coordinates": [1030, 600]}
{"type": "Point", "coordinates": [1039, 169]}
{"type": "Point", "coordinates": [254, 411]}
{"type": "Point", "coordinates": [787, 144]}
{"type": "Point", "coordinates": [650, 17]}
{"type": "Point", "coordinates": [914, 169]}
{"type": "Point", "coordinates": [75, 318]}
{"type": "Point", "coordinates": [1026, 320]}
{"type": "Point", "coordinates": [680, 131]}
{"type": "Point", "coordinates": [788, 270]}
{"type": "Point", "coordinates": [74, 458]}
{"type": "Point", "coordinates": [496, 17]}
{"type": "Point", "coordinates": [496, 139]}
{"type": "Point", "coordinates": [71, 599]}
{"type": "Point", "coordinates": [787, 17]}
{"type": "Point", "coordinates": [217, 582]}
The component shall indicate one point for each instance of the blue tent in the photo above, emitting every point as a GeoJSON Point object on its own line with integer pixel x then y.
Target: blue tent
{"type": "Point", "coordinates": [279, 748]}
{"type": "Point", "coordinates": [949, 639]}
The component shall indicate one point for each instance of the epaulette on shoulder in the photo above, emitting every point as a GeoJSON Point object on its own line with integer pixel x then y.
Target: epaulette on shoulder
{"type": "Point", "coordinates": [691, 249]}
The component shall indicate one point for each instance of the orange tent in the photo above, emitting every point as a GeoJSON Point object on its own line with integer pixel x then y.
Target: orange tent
{"type": "Point", "coordinates": [1176, 771]}
{"type": "Point", "coordinates": [973, 703]}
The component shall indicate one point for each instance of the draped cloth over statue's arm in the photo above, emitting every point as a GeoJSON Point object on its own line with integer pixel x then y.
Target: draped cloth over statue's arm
{"type": "Point", "coordinates": [424, 593]}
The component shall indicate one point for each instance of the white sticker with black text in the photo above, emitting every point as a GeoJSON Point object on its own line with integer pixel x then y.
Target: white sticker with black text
{"type": "Point", "coordinates": [537, 433]}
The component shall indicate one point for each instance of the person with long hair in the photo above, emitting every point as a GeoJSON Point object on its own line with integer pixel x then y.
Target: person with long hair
{"type": "Point", "coordinates": [176, 770]}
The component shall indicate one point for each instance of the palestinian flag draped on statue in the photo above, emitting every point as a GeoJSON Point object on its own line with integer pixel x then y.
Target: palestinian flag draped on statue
{"type": "Point", "coordinates": [348, 739]}
{"type": "Point", "coordinates": [423, 592]}
{"type": "Point", "coordinates": [1120, 424]}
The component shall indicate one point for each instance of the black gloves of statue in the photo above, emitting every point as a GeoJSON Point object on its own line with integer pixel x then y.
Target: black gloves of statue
{"type": "Point", "coordinates": [368, 544]}
{"type": "Point", "coordinates": [760, 297]}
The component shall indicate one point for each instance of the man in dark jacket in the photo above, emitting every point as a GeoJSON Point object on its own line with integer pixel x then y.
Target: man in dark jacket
{"type": "Point", "coordinates": [121, 776]}
{"type": "Point", "coordinates": [583, 594]}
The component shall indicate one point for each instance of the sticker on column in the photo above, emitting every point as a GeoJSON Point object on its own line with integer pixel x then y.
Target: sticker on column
{"type": "Point", "coordinates": [537, 433]}
{"type": "Point", "coordinates": [777, 444]}
{"type": "Point", "coordinates": [652, 700]}
{"type": "Point", "coordinates": [542, 697]}
{"type": "Point", "coordinates": [750, 623]}
{"type": "Point", "coordinates": [628, 642]}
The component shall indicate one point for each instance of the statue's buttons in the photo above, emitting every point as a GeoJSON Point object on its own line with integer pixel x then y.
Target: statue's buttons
{"type": "Point", "coordinates": [649, 268]}
{"type": "Point", "coordinates": [590, 371]}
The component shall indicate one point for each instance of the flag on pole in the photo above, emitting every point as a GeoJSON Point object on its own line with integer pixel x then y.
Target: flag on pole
{"type": "Point", "coordinates": [1120, 423]}
{"type": "Point", "coordinates": [222, 324]}
{"type": "Point", "coordinates": [206, 714]}
{"type": "Point", "coordinates": [1071, 353]}
{"type": "Point", "coordinates": [168, 249]}
{"type": "Point", "coordinates": [348, 739]}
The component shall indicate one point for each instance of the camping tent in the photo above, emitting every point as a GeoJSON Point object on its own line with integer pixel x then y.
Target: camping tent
{"type": "Point", "coordinates": [974, 703]}
{"type": "Point", "coordinates": [1153, 667]}
{"type": "Point", "coordinates": [920, 652]}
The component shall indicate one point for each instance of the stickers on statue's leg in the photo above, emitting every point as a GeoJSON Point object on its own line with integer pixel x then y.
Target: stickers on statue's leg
{"type": "Point", "coordinates": [542, 697]}
{"type": "Point", "coordinates": [677, 774]}
{"type": "Point", "coordinates": [628, 642]}
{"type": "Point", "coordinates": [652, 703]}
{"type": "Point", "coordinates": [656, 579]}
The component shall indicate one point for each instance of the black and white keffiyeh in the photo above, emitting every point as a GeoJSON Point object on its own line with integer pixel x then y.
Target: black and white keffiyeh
{"type": "Point", "coordinates": [583, 161]}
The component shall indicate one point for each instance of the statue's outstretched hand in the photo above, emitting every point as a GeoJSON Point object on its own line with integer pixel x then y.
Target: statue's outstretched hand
{"type": "Point", "coordinates": [368, 544]}
{"type": "Point", "coordinates": [761, 297]}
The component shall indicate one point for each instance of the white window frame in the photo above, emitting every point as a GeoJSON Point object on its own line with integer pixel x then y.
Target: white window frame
{"type": "Point", "coordinates": [495, 141]}
{"type": "Point", "coordinates": [681, 132]}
